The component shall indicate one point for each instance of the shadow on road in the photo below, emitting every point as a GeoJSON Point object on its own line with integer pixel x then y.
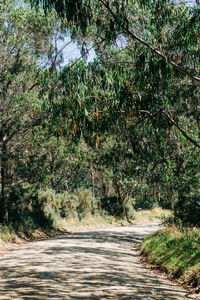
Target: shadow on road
{"type": "Point", "coordinates": [90, 265]}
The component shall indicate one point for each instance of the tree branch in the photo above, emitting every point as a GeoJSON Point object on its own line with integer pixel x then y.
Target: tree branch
{"type": "Point", "coordinates": [153, 50]}
{"type": "Point", "coordinates": [174, 123]}
{"type": "Point", "coordinates": [181, 130]}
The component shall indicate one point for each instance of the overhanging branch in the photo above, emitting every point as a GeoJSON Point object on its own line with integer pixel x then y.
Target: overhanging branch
{"type": "Point", "coordinates": [128, 32]}
{"type": "Point", "coordinates": [174, 123]}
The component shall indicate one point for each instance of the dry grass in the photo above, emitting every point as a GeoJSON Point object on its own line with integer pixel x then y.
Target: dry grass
{"type": "Point", "coordinates": [151, 215]}
{"type": "Point", "coordinates": [93, 222]}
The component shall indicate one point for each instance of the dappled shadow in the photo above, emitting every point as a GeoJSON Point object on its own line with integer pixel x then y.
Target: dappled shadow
{"type": "Point", "coordinates": [90, 265]}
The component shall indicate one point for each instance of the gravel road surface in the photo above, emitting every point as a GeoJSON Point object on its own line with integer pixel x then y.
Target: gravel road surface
{"type": "Point", "coordinates": [94, 265]}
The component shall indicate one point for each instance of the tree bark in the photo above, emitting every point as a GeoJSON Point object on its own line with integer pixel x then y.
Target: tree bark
{"type": "Point", "coordinates": [121, 198]}
{"type": "Point", "coordinates": [92, 176]}
{"type": "Point", "coordinates": [4, 204]}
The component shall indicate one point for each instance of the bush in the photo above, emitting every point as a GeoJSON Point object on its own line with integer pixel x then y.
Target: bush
{"type": "Point", "coordinates": [129, 208]}
{"type": "Point", "coordinates": [145, 202]}
{"type": "Point", "coordinates": [66, 205]}
{"type": "Point", "coordinates": [32, 209]}
{"type": "Point", "coordinates": [69, 203]}
{"type": "Point", "coordinates": [24, 207]}
{"type": "Point", "coordinates": [189, 212]}
{"type": "Point", "coordinates": [87, 204]}
{"type": "Point", "coordinates": [50, 203]}
{"type": "Point", "coordinates": [114, 207]}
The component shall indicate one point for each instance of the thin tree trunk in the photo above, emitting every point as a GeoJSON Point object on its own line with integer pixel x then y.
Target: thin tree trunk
{"type": "Point", "coordinates": [92, 176]}
{"type": "Point", "coordinates": [4, 204]}
{"type": "Point", "coordinates": [104, 187]}
{"type": "Point", "coordinates": [121, 198]}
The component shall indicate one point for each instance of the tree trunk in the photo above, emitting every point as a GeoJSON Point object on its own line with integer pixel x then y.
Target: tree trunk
{"type": "Point", "coordinates": [3, 204]}
{"type": "Point", "coordinates": [171, 200]}
{"type": "Point", "coordinates": [92, 176]}
{"type": "Point", "coordinates": [104, 187]}
{"type": "Point", "coordinates": [121, 198]}
{"type": "Point", "coordinates": [119, 193]}
{"type": "Point", "coordinates": [179, 211]}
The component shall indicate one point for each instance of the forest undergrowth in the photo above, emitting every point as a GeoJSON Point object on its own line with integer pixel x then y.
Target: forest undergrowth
{"type": "Point", "coordinates": [42, 214]}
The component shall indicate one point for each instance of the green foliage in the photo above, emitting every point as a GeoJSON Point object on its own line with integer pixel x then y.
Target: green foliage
{"type": "Point", "coordinates": [7, 233]}
{"type": "Point", "coordinates": [67, 205]}
{"type": "Point", "coordinates": [30, 208]}
{"type": "Point", "coordinates": [114, 207]}
{"type": "Point", "coordinates": [129, 208]}
{"type": "Point", "coordinates": [189, 212]}
{"type": "Point", "coordinates": [26, 114]}
{"type": "Point", "coordinates": [87, 204]}
{"type": "Point", "coordinates": [25, 209]}
{"type": "Point", "coordinates": [125, 126]}
{"type": "Point", "coordinates": [175, 251]}
{"type": "Point", "coordinates": [144, 202]}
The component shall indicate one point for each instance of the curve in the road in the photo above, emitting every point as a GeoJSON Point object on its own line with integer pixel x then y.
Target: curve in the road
{"type": "Point", "coordinates": [93, 265]}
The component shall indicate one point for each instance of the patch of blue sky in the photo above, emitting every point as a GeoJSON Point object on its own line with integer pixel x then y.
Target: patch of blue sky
{"type": "Point", "coordinates": [73, 51]}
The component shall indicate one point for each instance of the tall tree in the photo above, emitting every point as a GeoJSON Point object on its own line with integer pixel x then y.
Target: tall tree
{"type": "Point", "coordinates": [25, 47]}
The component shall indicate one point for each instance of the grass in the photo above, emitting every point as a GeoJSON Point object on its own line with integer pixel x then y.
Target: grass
{"type": "Point", "coordinates": [177, 252]}
{"type": "Point", "coordinates": [90, 223]}
{"type": "Point", "coordinates": [97, 222]}
{"type": "Point", "coordinates": [151, 215]}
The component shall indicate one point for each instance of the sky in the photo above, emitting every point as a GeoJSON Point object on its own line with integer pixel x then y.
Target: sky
{"type": "Point", "coordinates": [72, 51]}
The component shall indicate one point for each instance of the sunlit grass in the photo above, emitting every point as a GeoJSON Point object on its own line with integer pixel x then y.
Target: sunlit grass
{"type": "Point", "coordinates": [151, 215]}
{"type": "Point", "coordinates": [91, 223]}
{"type": "Point", "coordinates": [175, 251]}
{"type": "Point", "coordinates": [95, 222]}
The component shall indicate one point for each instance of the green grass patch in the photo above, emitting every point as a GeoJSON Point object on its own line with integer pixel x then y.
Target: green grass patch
{"type": "Point", "coordinates": [177, 252]}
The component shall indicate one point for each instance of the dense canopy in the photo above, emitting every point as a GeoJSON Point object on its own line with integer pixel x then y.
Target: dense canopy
{"type": "Point", "coordinates": [124, 127]}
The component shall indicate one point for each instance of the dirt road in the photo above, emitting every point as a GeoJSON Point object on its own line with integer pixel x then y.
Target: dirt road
{"type": "Point", "coordinates": [88, 265]}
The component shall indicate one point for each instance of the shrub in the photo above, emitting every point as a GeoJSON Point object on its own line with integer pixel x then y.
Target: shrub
{"type": "Point", "coordinates": [129, 208]}
{"type": "Point", "coordinates": [114, 207]}
{"type": "Point", "coordinates": [50, 204]}
{"type": "Point", "coordinates": [145, 202]}
{"type": "Point", "coordinates": [66, 205]}
{"type": "Point", "coordinates": [189, 212]}
{"type": "Point", "coordinates": [87, 203]}
{"type": "Point", "coordinates": [24, 207]}
{"type": "Point", "coordinates": [69, 203]}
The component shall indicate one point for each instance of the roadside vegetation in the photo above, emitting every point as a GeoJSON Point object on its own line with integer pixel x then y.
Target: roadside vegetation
{"type": "Point", "coordinates": [34, 213]}
{"type": "Point", "coordinates": [104, 141]}
{"type": "Point", "coordinates": [175, 251]}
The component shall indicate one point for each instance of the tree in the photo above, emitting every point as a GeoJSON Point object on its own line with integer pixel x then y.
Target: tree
{"type": "Point", "coordinates": [119, 103]}
{"type": "Point", "coordinates": [24, 104]}
{"type": "Point", "coordinates": [136, 21]}
{"type": "Point", "coordinates": [139, 100]}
